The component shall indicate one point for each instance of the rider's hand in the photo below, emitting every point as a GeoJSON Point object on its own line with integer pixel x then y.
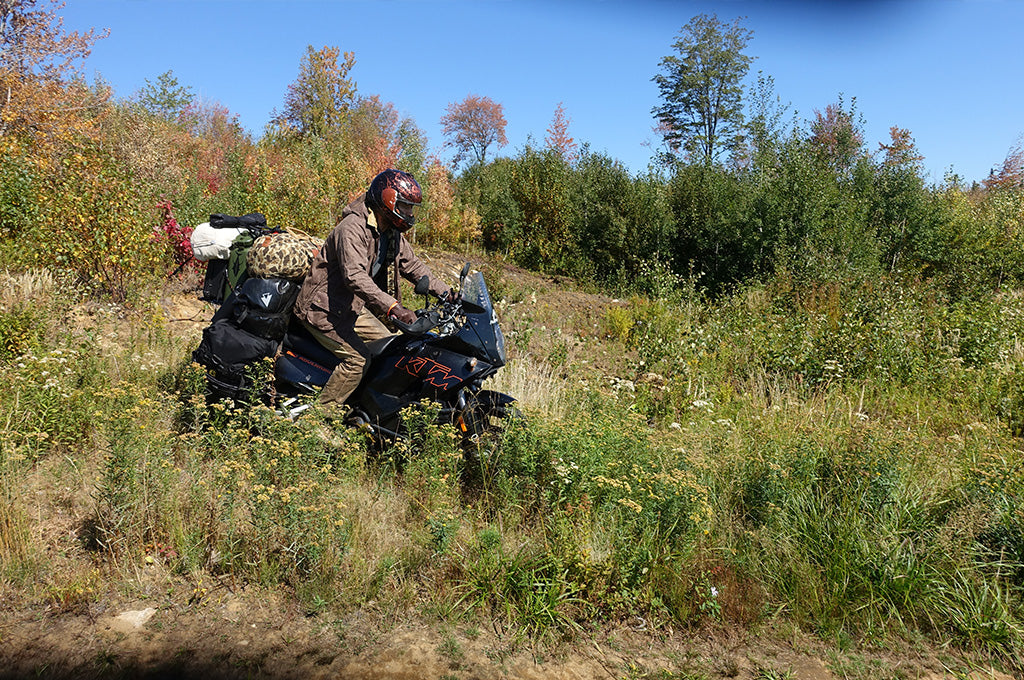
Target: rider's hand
{"type": "Point", "coordinates": [402, 314]}
{"type": "Point", "coordinates": [451, 296]}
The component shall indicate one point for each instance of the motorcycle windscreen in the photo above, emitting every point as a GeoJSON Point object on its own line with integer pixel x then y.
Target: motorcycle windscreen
{"type": "Point", "coordinates": [483, 322]}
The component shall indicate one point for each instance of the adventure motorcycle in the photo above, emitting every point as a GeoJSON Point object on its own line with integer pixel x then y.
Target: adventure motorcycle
{"type": "Point", "coordinates": [444, 356]}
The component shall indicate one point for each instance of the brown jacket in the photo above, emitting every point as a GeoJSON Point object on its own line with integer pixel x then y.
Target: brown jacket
{"type": "Point", "coordinates": [339, 284]}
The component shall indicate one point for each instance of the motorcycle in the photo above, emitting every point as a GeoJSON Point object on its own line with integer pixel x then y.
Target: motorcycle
{"type": "Point", "coordinates": [445, 357]}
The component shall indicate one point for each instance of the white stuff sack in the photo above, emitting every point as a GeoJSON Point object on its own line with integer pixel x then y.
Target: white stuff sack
{"type": "Point", "coordinates": [212, 244]}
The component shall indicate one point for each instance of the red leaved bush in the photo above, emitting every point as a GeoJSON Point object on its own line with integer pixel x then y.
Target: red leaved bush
{"type": "Point", "coordinates": [175, 238]}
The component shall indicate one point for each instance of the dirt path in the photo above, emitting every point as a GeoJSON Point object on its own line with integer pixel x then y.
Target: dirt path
{"type": "Point", "coordinates": [254, 634]}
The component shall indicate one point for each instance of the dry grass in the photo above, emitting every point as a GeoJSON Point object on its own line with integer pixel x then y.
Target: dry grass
{"type": "Point", "coordinates": [16, 287]}
{"type": "Point", "coordinates": [535, 384]}
{"type": "Point", "coordinates": [14, 536]}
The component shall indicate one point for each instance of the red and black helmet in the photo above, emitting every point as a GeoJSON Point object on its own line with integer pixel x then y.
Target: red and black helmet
{"type": "Point", "coordinates": [396, 195]}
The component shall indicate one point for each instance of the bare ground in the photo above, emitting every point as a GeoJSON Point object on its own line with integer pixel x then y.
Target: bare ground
{"type": "Point", "coordinates": [247, 633]}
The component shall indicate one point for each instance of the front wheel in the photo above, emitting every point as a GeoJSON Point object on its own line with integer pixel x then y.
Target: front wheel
{"type": "Point", "coordinates": [483, 424]}
{"type": "Point", "coordinates": [486, 412]}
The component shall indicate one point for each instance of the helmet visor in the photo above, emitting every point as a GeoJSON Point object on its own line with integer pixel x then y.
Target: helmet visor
{"type": "Point", "coordinates": [407, 210]}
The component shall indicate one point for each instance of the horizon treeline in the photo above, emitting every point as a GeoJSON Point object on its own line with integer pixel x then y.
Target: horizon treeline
{"type": "Point", "coordinates": [110, 187]}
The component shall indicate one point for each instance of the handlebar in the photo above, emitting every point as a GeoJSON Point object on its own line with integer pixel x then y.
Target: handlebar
{"type": "Point", "coordinates": [426, 322]}
{"type": "Point", "coordinates": [438, 315]}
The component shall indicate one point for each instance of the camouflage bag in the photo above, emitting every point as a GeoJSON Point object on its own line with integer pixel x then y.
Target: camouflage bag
{"type": "Point", "coordinates": [285, 255]}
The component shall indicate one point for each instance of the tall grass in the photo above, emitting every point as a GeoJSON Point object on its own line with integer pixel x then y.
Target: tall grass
{"type": "Point", "coordinates": [843, 458]}
{"type": "Point", "coordinates": [536, 385]}
{"type": "Point", "coordinates": [860, 447]}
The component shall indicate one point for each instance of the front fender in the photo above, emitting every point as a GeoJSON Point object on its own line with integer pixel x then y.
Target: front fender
{"type": "Point", "coordinates": [492, 399]}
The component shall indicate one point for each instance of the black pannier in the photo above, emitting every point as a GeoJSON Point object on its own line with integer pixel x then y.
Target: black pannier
{"type": "Point", "coordinates": [226, 351]}
{"type": "Point", "coordinates": [215, 283]}
{"type": "Point", "coordinates": [248, 327]}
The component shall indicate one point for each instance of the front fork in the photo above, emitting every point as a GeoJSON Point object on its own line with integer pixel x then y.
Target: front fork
{"type": "Point", "coordinates": [464, 419]}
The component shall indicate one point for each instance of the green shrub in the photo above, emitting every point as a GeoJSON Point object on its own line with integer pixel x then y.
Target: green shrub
{"type": "Point", "coordinates": [99, 225]}
{"type": "Point", "coordinates": [21, 330]}
{"type": "Point", "coordinates": [48, 406]}
{"type": "Point", "coordinates": [19, 205]}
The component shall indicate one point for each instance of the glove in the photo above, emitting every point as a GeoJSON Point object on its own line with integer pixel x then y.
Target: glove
{"type": "Point", "coordinates": [451, 296]}
{"type": "Point", "coordinates": [402, 314]}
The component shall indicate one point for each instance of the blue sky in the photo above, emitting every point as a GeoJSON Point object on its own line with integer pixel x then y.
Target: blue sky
{"type": "Point", "coordinates": [947, 70]}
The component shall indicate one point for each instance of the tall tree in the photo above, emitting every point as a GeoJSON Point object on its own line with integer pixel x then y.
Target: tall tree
{"type": "Point", "coordinates": [1011, 174]}
{"type": "Point", "coordinates": [701, 89]}
{"type": "Point", "coordinates": [318, 102]}
{"type": "Point", "coordinates": [373, 132]}
{"type": "Point", "coordinates": [472, 126]}
{"type": "Point", "coordinates": [765, 126]}
{"type": "Point", "coordinates": [558, 136]}
{"type": "Point", "coordinates": [413, 142]}
{"type": "Point", "coordinates": [38, 60]}
{"type": "Point", "coordinates": [33, 40]}
{"type": "Point", "coordinates": [166, 98]}
{"type": "Point", "coordinates": [901, 151]}
{"type": "Point", "coordinates": [836, 134]}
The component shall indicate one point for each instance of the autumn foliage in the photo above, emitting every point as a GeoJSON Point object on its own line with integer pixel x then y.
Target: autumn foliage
{"type": "Point", "coordinates": [106, 187]}
{"type": "Point", "coordinates": [37, 59]}
{"type": "Point", "coordinates": [110, 188]}
{"type": "Point", "coordinates": [473, 126]}
{"type": "Point", "coordinates": [559, 138]}
{"type": "Point", "coordinates": [824, 338]}
{"type": "Point", "coordinates": [317, 103]}
{"type": "Point", "coordinates": [1010, 175]}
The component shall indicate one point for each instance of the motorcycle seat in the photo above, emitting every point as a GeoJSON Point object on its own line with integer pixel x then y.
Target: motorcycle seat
{"type": "Point", "coordinates": [302, 343]}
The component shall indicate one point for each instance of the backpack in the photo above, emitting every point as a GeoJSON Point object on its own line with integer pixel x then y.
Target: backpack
{"type": "Point", "coordinates": [237, 270]}
{"type": "Point", "coordinates": [263, 307]}
{"type": "Point", "coordinates": [224, 276]}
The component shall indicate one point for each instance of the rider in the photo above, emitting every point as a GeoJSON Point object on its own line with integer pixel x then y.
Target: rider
{"type": "Point", "coordinates": [349, 285]}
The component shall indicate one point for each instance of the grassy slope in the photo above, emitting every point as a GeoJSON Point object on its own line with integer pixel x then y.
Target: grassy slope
{"type": "Point", "coordinates": [286, 551]}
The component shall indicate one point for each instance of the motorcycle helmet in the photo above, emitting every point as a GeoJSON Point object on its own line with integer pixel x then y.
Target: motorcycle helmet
{"type": "Point", "coordinates": [396, 196]}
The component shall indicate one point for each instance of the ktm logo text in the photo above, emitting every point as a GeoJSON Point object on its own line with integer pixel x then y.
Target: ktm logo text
{"type": "Point", "coordinates": [430, 371]}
